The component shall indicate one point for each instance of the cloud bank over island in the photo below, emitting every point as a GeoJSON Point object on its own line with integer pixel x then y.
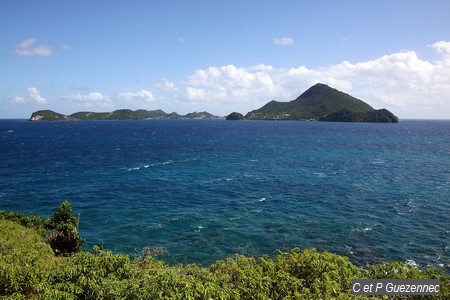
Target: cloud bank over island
{"type": "Point", "coordinates": [401, 81]}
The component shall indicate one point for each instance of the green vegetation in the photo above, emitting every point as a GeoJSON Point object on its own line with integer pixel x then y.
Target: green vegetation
{"type": "Point", "coordinates": [48, 115]}
{"type": "Point", "coordinates": [235, 116]}
{"type": "Point", "coordinates": [89, 116]}
{"type": "Point", "coordinates": [120, 114]}
{"type": "Point", "coordinates": [30, 270]}
{"type": "Point", "coordinates": [345, 115]}
{"type": "Point", "coordinates": [33, 222]}
{"type": "Point", "coordinates": [64, 238]}
{"type": "Point", "coordinates": [323, 103]}
{"type": "Point", "coordinates": [26, 262]}
{"type": "Point", "coordinates": [200, 115]}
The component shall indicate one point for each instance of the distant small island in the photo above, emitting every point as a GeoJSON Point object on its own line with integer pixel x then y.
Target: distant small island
{"type": "Point", "coordinates": [121, 114]}
{"type": "Point", "coordinates": [319, 103]}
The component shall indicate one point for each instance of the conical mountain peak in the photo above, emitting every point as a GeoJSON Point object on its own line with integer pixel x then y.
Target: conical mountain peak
{"type": "Point", "coordinates": [321, 102]}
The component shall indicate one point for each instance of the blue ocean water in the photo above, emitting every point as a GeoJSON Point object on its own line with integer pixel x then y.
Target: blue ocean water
{"type": "Point", "coordinates": [204, 190]}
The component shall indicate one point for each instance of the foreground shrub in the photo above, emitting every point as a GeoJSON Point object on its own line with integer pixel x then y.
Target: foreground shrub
{"type": "Point", "coordinates": [64, 238]}
{"type": "Point", "coordinates": [29, 269]}
{"type": "Point", "coordinates": [26, 263]}
{"type": "Point", "coordinates": [34, 222]}
{"type": "Point", "coordinates": [323, 274]}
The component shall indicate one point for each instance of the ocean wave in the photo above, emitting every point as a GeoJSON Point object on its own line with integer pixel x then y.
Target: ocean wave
{"type": "Point", "coordinates": [362, 229]}
{"type": "Point", "coordinates": [146, 166]}
{"type": "Point", "coordinates": [155, 227]}
{"type": "Point", "coordinates": [378, 161]}
{"type": "Point", "coordinates": [320, 174]}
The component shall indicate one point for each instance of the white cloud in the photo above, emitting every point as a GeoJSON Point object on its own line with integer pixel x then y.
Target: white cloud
{"type": "Point", "coordinates": [142, 95]}
{"type": "Point", "coordinates": [399, 81]}
{"type": "Point", "coordinates": [33, 96]}
{"type": "Point", "coordinates": [28, 48]}
{"type": "Point", "coordinates": [17, 99]}
{"type": "Point", "coordinates": [97, 100]}
{"type": "Point", "coordinates": [91, 97]}
{"type": "Point", "coordinates": [195, 94]}
{"type": "Point", "coordinates": [94, 100]}
{"type": "Point", "coordinates": [167, 85]}
{"type": "Point", "coordinates": [284, 41]}
{"type": "Point", "coordinates": [441, 47]}
{"type": "Point", "coordinates": [230, 84]}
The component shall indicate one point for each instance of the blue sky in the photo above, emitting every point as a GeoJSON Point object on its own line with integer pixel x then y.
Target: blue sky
{"type": "Point", "coordinates": [221, 56]}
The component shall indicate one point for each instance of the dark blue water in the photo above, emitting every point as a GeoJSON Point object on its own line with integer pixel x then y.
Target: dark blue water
{"type": "Point", "coordinates": [204, 190]}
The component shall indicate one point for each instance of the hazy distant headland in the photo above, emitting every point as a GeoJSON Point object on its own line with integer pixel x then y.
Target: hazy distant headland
{"type": "Point", "coordinates": [319, 103]}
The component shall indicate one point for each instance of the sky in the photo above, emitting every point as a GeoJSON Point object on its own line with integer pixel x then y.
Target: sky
{"type": "Point", "coordinates": [222, 56]}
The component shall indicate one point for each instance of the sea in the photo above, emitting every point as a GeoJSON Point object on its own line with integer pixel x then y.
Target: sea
{"type": "Point", "coordinates": [195, 191]}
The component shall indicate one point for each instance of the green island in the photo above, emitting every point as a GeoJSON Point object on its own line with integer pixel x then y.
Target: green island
{"type": "Point", "coordinates": [43, 259]}
{"type": "Point", "coordinates": [120, 114]}
{"type": "Point", "coordinates": [320, 103]}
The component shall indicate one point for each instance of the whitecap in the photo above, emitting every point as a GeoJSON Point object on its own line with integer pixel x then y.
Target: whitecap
{"type": "Point", "coordinates": [132, 169]}
{"type": "Point", "coordinates": [320, 174]}
{"type": "Point", "coordinates": [362, 229]}
{"type": "Point", "coordinates": [378, 161]}
{"type": "Point", "coordinates": [410, 262]}
{"type": "Point", "coordinates": [157, 226]}
{"type": "Point", "coordinates": [349, 249]}
{"type": "Point", "coordinates": [262, 199]}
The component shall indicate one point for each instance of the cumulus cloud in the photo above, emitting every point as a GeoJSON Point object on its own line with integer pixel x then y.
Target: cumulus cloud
{"type": "Point", "coordinates": [230, 84]}
{"type": "Point", "coordinates": [33, 96]}
{"type": "Point", "coordinates": [29, 48]}
{"type": "Point", "coordinates": [97, 100]}
{"type": "Point", "coordinates": [195, 94]}
{"type": "Point", "coordinates": [90, 100]}
{"type": "Point", "coordinates": [142, 95]}
{"type": "Point", "coordinates": [284, 41]}
{"type": "Point", "coordinates": [167, 85]}
{"type": "Point", "coordinates": [399, 81]}
{"type": "Point", "coordinates": [90, 97]}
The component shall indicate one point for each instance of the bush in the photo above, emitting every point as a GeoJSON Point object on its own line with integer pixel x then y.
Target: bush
{"type": "Point", "coordinates": [30, 270]}
{"type": "Point", "coordinates": [26, 263]}
{"type": "Point", "coordinates": [34, 222]}
{"type": "Point", "coordinates": [64, 238]}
